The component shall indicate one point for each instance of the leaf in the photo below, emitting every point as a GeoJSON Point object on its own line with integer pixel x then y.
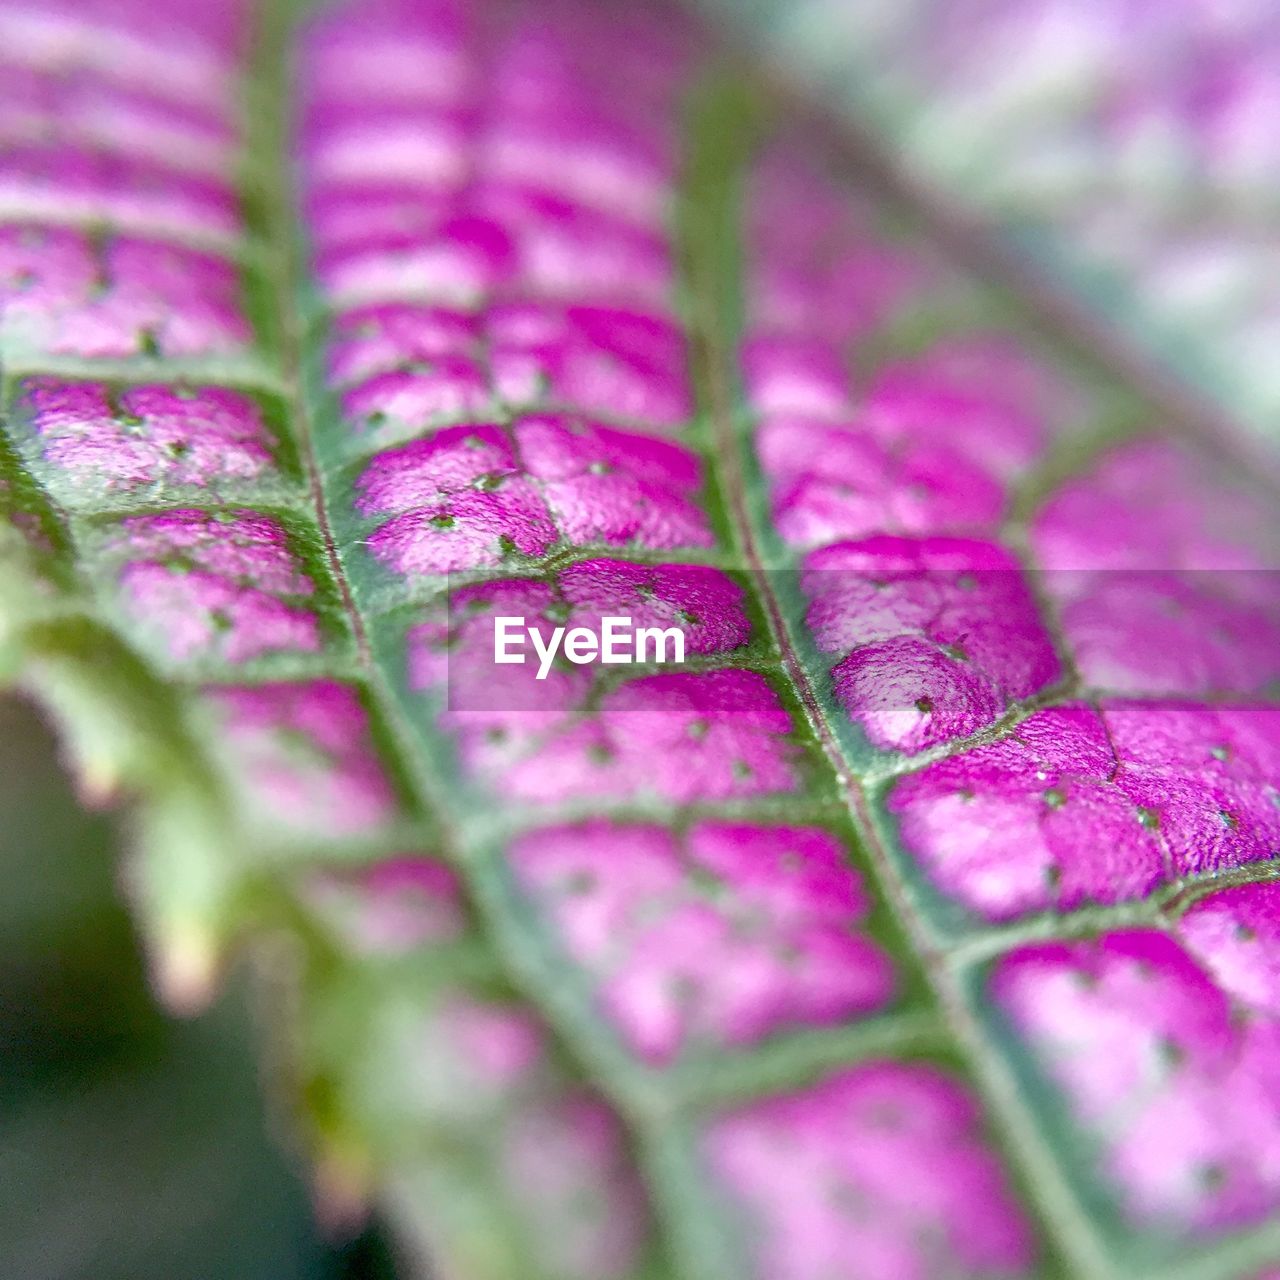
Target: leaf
{"type": "Point", "coordinates": [821, 954]}
{"type": "Point", "coordinates": [1127, 154]}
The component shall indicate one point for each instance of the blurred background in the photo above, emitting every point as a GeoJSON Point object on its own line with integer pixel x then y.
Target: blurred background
{"type": "Point", "coordinates": [133, 1146]}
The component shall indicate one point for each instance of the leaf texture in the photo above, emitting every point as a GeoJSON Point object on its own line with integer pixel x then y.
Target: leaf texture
{"type": "Point", "coordinates": [1126, 151]}
{"type": "Point", "coordinates": [918, 925]}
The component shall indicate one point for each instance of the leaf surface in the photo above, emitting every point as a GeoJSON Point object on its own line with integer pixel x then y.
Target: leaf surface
{"type": "Point", "coordinates": [904, 929]}
{"type": "Point", "coordinates": [1126, 153]}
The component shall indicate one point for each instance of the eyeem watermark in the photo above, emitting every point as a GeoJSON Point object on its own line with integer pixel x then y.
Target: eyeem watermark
{"type": "Point", "coordinates": [618, 641]}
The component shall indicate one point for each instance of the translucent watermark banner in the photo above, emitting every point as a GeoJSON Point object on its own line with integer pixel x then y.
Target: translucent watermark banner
{"type": "Point", "coordinates": [917, 652]}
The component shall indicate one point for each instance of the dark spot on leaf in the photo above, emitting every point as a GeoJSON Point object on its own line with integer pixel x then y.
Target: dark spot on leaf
{"type": "Point", "coordinates": [706, 883]}
{"type": "Point", "coordinates": [580, 882]}
{"type": "Point", "coordinates": [683, 989]}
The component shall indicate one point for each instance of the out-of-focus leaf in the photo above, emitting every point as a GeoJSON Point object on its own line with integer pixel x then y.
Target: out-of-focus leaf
{"type": "Point", "coordinates": [131, 1146]}
{"type": "Point", "coordinates": [1129, 152]}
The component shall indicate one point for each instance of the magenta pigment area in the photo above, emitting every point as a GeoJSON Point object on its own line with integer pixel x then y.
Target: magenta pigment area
{"type": "Point", "coordinates": [902, 906]}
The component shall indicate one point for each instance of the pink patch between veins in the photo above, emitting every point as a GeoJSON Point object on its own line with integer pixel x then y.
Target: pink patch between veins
{"type": "Point", "coordinates": [465, 497]}
{"type": "Point", "coordinates": [939, 636]}
{"type": "Point", "coordinates": [400, 403]}
{"type": "Point", "coordinates": [880, 1172]}
{"type": "Point", "coordinates": [724, 938]}
{"type": "Point", "coordinates": [1080, 805]}
{"type": "Point", "coordinates": [304, 754]}
{"type": "Point", "coordinates": [1166, 576]}
{"type": "Point", "coordinates": [146, 437]}
{"type": "Point", "coordinates": [623, 364]}
{"type": "Point", "coordinates": [190, 58]}
{"type": "Point", "coordinates": [681, 738]}
{"type": "Point", "coordinates": [608, 486]}
{"type": "Point", "coordinates": [40, 181]}
{"type": "Point", "coordinates": [422, 365]}
{"type": "Point", "coordinates": [122, 120]}
{"type": "Point", "coordinates": [204, 586]}
{"type": "Point", "coordinates": [461, 502]}
{"type": "Point", "coordinates": [1167, 1049]}
{"type": "Point", "coordinates": [832, 482]}
{"type": "Point", "coordinates": [381, 339]}
{"type": "Point", "coordinates": [64, 294]}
